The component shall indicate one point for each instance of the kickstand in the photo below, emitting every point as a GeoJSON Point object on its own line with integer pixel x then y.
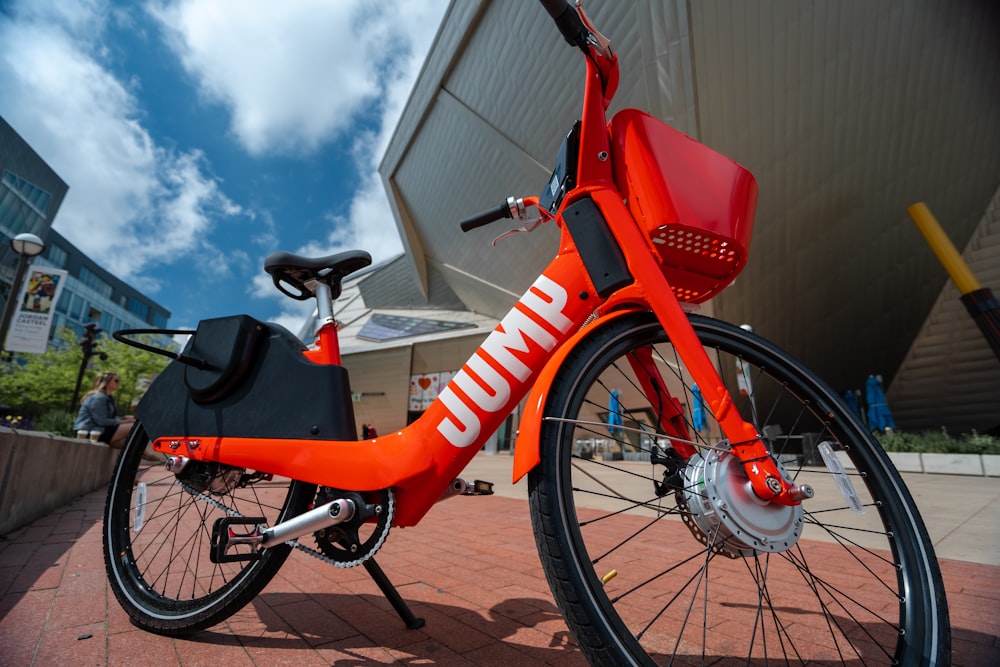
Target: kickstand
{"type": "Point", "coordinates": [392, 595]}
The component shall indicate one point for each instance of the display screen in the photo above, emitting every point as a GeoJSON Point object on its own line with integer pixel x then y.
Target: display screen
{"type": "Point", "coordinates": [564, 175]}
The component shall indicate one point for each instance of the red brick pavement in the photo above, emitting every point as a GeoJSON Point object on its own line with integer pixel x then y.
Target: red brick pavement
{"type": "Point", "coordinates": [470, 569]}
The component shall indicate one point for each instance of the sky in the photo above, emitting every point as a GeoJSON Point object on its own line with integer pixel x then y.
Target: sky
{"type": "Point", "coordinates": [199, 136]}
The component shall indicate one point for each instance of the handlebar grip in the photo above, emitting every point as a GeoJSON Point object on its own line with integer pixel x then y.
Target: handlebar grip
{"type": "Point", "coordinates": [555, 8]}
{"type": "Point", "coordinates": [567, 20]}
{"type": "Point", "coordinates": [486, 217]}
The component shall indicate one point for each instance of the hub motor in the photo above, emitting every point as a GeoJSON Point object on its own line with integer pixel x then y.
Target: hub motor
{"type": "Point", "coordinates": [722, 511]}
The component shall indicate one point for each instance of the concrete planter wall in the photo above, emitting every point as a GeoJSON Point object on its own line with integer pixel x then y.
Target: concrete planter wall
{"type": "Point", "coordinates": [976, 465]}
{"type": "Point", "coordinates": [40, 472]}
{"type": "Point", "coordinates": [953, 464]}
{"type": "Point", "coordinates": [991, 465]}
{"type": "Point", "coordinates": [906, 461]}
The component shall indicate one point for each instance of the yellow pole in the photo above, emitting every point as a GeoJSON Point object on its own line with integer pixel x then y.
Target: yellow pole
{"type": "Point", "coordinates": [943, 248]}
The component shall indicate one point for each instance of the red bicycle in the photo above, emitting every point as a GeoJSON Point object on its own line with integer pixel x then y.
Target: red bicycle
{"type": "Point", "coordinates": [673, 521]}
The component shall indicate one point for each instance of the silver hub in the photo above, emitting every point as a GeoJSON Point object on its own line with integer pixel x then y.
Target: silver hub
{"type": "Point", "coordinates": [724, 512]}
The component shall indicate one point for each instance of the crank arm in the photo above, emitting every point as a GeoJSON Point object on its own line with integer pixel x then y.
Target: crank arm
{"type": "Point", "coordinates": [224, 538]}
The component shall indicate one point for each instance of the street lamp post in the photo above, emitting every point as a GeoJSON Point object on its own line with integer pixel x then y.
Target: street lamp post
{"type": "Point", "coordinates": [26, 246]}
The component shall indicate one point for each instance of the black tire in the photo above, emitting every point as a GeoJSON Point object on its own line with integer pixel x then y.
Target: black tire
{"type": "Point", "coordinates": [161, 572]}
{"type": "Point", "coordinates": [697, 579]}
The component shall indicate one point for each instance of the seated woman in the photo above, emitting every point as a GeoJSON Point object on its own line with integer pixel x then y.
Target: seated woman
{"type": "Point", "coordinates": [99, 413]}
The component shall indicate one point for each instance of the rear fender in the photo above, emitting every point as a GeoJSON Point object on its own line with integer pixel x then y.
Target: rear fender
{"type": "Point", "coordinates": [527, 453]}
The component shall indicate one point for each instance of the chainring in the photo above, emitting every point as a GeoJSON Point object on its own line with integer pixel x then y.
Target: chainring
{"type": "Point", "coordinates": [353, 542]}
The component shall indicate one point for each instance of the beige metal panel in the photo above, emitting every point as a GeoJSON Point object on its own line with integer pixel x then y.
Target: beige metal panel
{"type": "Point", "coordinates": [520, 77]}
{"type": "Point", "coordinates": [518, 74]}
{"type": "Point", "coordinates": [443, 355]}
{"type": "Point", "coordinates": [478, 295]}
{"type": "Point", "coordinates": [491, 125]}
{"type": "Point", "coordinates": [474, 168]}
{"type": "Point", "coordinates": [460, 17]}
{"type": "Point", "coordinates": [456, 22]}
{"type": "Point", "coordinates": [847, 113]}
{"type": "Point", "coordinates": [382, 378]}
{"type": "Point", "coordinates": [951, 377]}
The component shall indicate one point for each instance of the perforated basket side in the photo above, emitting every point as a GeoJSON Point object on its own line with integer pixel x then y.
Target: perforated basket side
{"type": "Point", "coordinates": [696, 205]}
{"type": "Point", "coordinates": [697, 264]}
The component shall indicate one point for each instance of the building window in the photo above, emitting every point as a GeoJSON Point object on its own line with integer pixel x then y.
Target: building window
{"type": "Point", "coordinates": [139, 308]}
{"type": "Point", "coordinates": [13, 213]}
{"type": "Point", "coordinates": [29, 192]}
{"type": "Point", "coordinates": [57, 256]}
{"type": "Point", "coordinates": [22, 205]}
{"type": "Point", "coordinates": [91, 280]}
{"type": "Point", "coordinates": [76, 306]}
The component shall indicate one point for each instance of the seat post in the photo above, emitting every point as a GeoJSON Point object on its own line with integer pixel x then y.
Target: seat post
{"type": "Point", "coordinates": [328, 343]}
{"type": "Point", "coordinates": [324, 304]}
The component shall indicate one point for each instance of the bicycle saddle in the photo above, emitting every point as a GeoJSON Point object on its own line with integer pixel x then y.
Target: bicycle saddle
{"type": "Point", "coordinates": [292, 273]}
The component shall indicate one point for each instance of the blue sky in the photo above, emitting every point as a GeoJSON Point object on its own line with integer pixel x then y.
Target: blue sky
{"type": "Point", "coordinates": [198, 136]}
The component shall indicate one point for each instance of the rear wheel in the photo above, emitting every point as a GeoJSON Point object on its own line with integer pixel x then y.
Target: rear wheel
{"type": "Point", "coordinates": [157, 537]}
{"type": "Point", "coordinates": [654, 560]}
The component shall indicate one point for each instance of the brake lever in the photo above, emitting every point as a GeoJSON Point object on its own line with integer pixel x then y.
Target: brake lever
{"type": "Point", "coordinates": [528, 226]}
{"type": "Point", "coordinates": [519, 209]}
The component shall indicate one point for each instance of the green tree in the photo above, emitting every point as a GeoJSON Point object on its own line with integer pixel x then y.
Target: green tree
{"type": "Point", "coordinates": [34, 384]}
{"type": "Point", "coordinates": [135, 367]}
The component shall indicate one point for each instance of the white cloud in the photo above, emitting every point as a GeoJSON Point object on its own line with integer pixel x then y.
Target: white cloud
{"type": "Point", "coordinates": [130, 201]}
{"type": "Point", "coordinates": [293, 78]}
{"type": "Point", "coordinates": [294, 75]}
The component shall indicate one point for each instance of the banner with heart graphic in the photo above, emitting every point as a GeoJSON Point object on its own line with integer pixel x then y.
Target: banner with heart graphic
{"type": "Point", "coordinates": [424, 389]}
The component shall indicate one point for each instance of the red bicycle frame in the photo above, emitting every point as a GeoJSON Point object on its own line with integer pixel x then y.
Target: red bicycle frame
{"type": "Point", "coordinates": [523, 353]}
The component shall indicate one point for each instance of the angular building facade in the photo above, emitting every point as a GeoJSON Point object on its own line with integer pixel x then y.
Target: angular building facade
{"type": "Point", "coordinates": [847, 113]}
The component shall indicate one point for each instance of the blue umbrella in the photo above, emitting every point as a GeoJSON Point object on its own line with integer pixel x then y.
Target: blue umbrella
{"type": "Point", "coordinates": [698, 409]}
{"type": "Point", "coordinates": [852, 402]}
{"type": "Point", "coordinates": [614, 414]}
{"type": "Point", "coordinates": [879, 417]}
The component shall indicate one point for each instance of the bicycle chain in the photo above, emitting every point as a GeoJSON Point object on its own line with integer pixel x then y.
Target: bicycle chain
{"type": "Point", "coordinates": [390, 508]}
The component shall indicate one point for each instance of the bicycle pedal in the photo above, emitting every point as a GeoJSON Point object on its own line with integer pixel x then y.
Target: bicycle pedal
{"type": "Point", "coordinates": [479, 488]}
{"type": "Point", "coordinates": [225, 538]}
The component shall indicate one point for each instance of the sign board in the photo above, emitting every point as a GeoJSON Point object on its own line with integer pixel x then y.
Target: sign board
{"type": "Point", "coordinates": [35, 310]}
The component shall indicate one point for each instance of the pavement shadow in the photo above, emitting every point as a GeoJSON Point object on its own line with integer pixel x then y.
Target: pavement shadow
{"type": "Point", "coordinates": [354, 625]}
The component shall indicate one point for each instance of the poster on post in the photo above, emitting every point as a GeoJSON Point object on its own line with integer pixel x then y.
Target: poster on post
{"type": "Point", "coordinates": [425, 388]}
{"type": "Point", "coordinates": [35, 310]}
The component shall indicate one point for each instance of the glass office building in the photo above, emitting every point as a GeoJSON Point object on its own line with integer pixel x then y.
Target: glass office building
{"type": "Point", "coordinates": [30, 196]}
{"type": "Point", "coordinates": [91, 294]}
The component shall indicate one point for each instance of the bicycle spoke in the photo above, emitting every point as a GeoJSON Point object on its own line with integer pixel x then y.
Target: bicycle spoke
{"type": "Point", "coordinates": [705, 572]}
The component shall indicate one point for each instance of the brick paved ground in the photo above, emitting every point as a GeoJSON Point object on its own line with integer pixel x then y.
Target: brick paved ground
{"type": "Point", "coordinates": [470, 569]}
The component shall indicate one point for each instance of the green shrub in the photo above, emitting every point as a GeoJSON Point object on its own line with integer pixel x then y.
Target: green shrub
{"type": "Point", "coordinates": [57, 422]}
{"type": "Point", "coordinates": [939, 442]}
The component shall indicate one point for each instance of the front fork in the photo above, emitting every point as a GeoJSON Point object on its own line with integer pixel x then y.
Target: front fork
{"type": "Point", "coordinates": [745, 442]}
{"type": "Point", "coordinates": [761, 469]}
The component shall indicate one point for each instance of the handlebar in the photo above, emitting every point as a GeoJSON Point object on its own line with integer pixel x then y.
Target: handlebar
{"type": "Point", "coordinates": [578, 31]}
{"type": "Point", "coordinates": [486, 217]}
{"type": "Point", "coordinates": [568, 21]}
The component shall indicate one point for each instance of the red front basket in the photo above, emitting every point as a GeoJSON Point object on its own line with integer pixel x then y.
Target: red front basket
{"type": "Point", "coordinates": [697, 205]}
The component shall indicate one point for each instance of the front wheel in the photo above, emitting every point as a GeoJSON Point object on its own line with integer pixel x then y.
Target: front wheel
{"type": "Point", "coordinates": [655, 560]}
{"type": "Point", "coordinates": [158, 533]}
